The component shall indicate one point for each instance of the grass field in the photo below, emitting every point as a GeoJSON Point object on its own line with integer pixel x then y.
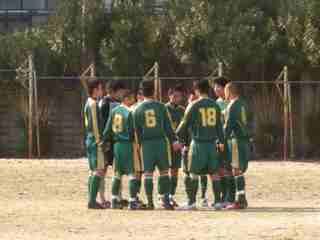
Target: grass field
{"type": "Point", "coordinates": [47, 200]}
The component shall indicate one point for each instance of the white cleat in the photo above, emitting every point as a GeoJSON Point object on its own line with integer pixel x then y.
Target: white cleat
{"type": "Point", "coordinates": [204, 203]}
{"type": "Point", "coordinates": [217, 206]}
{"type": "Point", "coordinates": [187, 207]}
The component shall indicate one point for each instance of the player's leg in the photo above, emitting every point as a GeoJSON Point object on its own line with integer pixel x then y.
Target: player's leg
{"type": "Point", "coordinates": [108, 158]}
{"type": "Point", "coordinates": [204, 188]}
{"type": "Point", "coordinates": [186, 178]}
{"type": "Point", "coordinates": [240, 157]}
{"type": "Point", "coordinates": [129, 169]}
{"type": "Point", "coordinates": [96, 165]}
{"type": "Point", "coordinates": [164, 159]}
{"type": "Point", "coordinates": [117, 174]}
{"type": "Point", "coordinates": [174, 175]}
{"type": "Point", "coordinates": [196, 164]}
{"type": "Point", "coordinates": [213, 170]}
{"type": "Point", "coordinates": [148, 155]}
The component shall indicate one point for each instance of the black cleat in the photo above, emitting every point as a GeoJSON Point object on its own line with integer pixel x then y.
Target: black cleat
{"type": "Point", "coordinates": [243, 203]}
{"type": "Point", "coordinates": [116, 204]}
{"type": "Point", "coordinates": [95, 206]}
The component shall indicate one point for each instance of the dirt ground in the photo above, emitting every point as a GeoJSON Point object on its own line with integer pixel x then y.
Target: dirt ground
{"type": "Point", "coordinates": [47, 200]}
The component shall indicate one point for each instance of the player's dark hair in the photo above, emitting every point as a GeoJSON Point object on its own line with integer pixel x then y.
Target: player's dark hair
{"type": "Point", "coordinates": [234, 88]}
{"type": "Point", "coordinates": [147, 87]}
{"type": "Point", "coordinates": [93, 84]}
{"type": "Point", "coordinates": [117, 85]}
{"type": "Point", "coordinates": [177, 88]}
{"type": "Point", "coordinates": [203, 86]}
{"type": "Point", "coordinates": [221, 81]}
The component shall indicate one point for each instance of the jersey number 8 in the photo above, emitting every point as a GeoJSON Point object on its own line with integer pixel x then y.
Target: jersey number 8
{"type": "Point", "coordinates": [208, 117]}
{"type": "Point", "coordinates": [117, 123]}
{"type": "Point", "coordinates": [150, 118]}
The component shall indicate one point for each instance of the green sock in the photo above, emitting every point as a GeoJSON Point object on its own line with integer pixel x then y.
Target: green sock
{"type": "Point", "coordinates": [232, 197]}
{"type": "Point", "coordinates": [138, 185]}
{"type": "Point", "coordinates": [204, 185]}
{"type": "Point", "coordinates": [223, 189]}
{"type": "Point", "coordinates": [89, 186]}
{"type": "Point", "coordinates": [164, 185]}
{"type": "Point", "coordinates": [116, 182]}
{"type": "Point", "coordinates": [188, 186]}
{"type": "Point", "coordinates": [195, 185]}
{"type": "Point", "coordinates": [228, 188]}
{"type": "Point", "coordinates": [133, 183]}
{"type": "Point", "coordinates": [148, 185]}
{"type": "Point", "coordinates": [216, 188]}
{"type": "Point", "coordinates": [173, 184]}
{"type": "Point", "coordinates": [102, 187]}
{"type": "Point", "coordinates": [94, 188]}
{"type": "Point", "coordinates": [240, 183]}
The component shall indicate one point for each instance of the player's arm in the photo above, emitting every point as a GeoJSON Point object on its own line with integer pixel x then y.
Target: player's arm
{"type": "Point", "coordinates": [136, 126]}
{"type": "Point", "coordinates": [131, 127]}
{"type": "Point", "coordinates": [168, 126]}
{"type": "Point", "coordinates": [94, 118]}
{"type": "Point", "coordinates": [107, 132]}
{"type": "Point", "coordinates": [182, 130]}
{"type": "Point", "coordinates": [219, 127]}
{"type": "Point", "coordinates": [231, 122]}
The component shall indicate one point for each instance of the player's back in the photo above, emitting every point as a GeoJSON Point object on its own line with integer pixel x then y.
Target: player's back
{"type": "Point", "coordinates": [149, 120]}
{"type": "Point", "coordinates": [205, 117]}
{"type": "Point", "coordinates": [237, 112]}
{"type": "Point", "coordinates": [122, 124]}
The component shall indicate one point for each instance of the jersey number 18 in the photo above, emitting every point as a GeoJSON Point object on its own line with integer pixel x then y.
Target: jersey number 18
{"type": "Point", "coordinates": [208, 117]}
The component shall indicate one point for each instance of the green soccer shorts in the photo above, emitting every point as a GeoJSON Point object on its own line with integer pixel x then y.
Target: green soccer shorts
{"type": "Point", "coordinates": [238, 153]}
{"type": "Point", "coordinates": [155, 153]}
{"type": "Point", "coordinates": [95, 154]}
{"type": "Point", "coordinates": [203, 158]}
{"type": "Point", "coordinates": [124, 159]}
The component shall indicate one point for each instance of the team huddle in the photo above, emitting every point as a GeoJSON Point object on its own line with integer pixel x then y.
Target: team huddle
{"type": "Point", "coordinates": [137, 134]}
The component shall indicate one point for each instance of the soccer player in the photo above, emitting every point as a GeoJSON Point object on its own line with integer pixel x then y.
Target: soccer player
{"type": "Point", "coordinates": [203, 178]}
{"type": "Point", "coordinates": [119, 130]}
{"type": "Point", "coordinates": [176, 112]}
{"type": "Point", "coordinates": [109, 101]}
{"type": "Point", "coordinates": [237, 134]}
{"type": "Point", "coordinates": [225, 170]}
{"type": "Point", "coordinates": [155, 135]}
{"type": "Point", "coordinates": [92, 142]}
{"type": "Point", "coordinates": [203, 118]}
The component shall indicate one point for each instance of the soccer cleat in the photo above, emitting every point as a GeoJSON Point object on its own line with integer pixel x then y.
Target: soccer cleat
{"type": "Point", "coordinates": [243, 203]}
{"type": "Point", "coordinates": [225, 204]}
{"type": "Point", "coordinates": [217, 206]}
{"type": "Point", "coordinates": [124, 202]}
{"type": "Point", "coordinates": [165, 204]}
{"type": "Point", "coordinates": [188, 207]}
{"type": "Point", "coordinates": [173, 202]}
{"type": "Point", "coordinates": [95, 206]}
{"type": "Point", "coordinates": [106, 204]}
{"type": "Point", "coordinates": [116, 204]}
{"type": "Point", "coordinates": [133, 205]}
{"type": "Point", "coordinates": [204, 203]}
{"type": "Point", "coordinates": [150, 206]}
{"type": "Point", "coordinates": [233, 206]}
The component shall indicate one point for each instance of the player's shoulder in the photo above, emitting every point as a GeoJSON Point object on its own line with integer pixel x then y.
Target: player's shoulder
{"type": "Point", "coordinates": [194, 104]}
{"type": "Point", "coordinates": [91, 102]}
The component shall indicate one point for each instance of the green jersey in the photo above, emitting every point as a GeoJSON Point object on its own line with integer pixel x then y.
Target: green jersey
{"type": "Point", "coordinates": [176, 113]}
{"type": "Point", "coordinates": [203, 118]}
{"type": "Point", "coordinates": [92, 120]}
{"type": "Point", "coordinates": [119, 127]}
{"type": "Point", "coordinates": [237, 120]}
{"type": "Point", "coordinates": [152, 121]}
